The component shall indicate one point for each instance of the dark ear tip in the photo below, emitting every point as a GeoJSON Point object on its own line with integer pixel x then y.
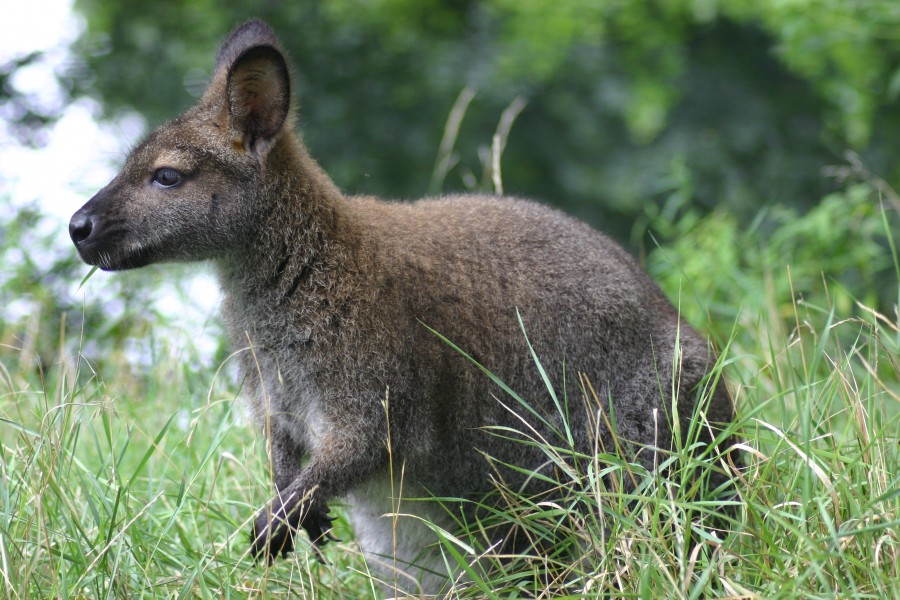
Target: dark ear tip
{"type": "Point", "coordinates": [254, 32]}
{"type": "Point", "coordinates": [257, 26]}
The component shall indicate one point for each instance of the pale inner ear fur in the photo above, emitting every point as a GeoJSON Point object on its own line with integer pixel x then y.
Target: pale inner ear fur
{"type": "Point", "coordinates": [258, 92]}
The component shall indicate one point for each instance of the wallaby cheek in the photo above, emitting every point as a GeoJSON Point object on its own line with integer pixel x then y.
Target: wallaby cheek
{"type": "Point", "coordinates": [209, 225]}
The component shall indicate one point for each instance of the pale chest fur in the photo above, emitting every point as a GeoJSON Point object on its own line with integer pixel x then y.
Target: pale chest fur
{"type": "Point", "coordinates": [280, 388]}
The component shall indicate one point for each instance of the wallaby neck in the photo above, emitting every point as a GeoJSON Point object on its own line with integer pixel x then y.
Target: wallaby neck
{"type": "Point", "coordinates": [296, 230]}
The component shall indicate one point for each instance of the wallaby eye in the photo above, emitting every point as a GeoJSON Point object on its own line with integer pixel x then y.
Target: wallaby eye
{"type": "Point", "coordinates": [167, 177]}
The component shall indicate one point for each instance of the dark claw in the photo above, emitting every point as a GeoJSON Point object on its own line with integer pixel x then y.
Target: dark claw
{"type": "Point", "coordinates": [275, 535]}
{"type": "Point", "coordinates": [318, 526]}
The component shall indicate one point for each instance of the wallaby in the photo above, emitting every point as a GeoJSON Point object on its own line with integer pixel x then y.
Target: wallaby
{"type": "Point", "coordinates": [336, 300]}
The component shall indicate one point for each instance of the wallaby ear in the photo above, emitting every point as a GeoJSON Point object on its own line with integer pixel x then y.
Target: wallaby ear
{"type": "Point", "coordinates": [258, 84]}
{"type": "Point", "coordinates": [259, 95]}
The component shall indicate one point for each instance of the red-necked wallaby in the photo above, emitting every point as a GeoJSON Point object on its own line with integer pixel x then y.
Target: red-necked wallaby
{"type": "Point", "coordinates": [331, 294]}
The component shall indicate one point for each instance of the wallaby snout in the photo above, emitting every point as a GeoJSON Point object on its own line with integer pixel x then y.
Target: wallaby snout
{"type": "Point", "coordinates": [96, 235]}
{"type": "Point", "coordinates": [80, 227]}
{"type": "Point", "coordinates": [336, 298]}
{"type": "Point", "coordinates": [104, 238]}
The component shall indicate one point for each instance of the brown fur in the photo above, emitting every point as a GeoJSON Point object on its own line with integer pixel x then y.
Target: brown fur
{"type": "Point", "coordinates": [331, 295]}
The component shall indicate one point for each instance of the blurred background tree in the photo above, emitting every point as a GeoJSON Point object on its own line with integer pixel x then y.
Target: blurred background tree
{"type": "Point", "coordinates": [690, 119]}
{"type": "Point", "coordinates": [736, 103]}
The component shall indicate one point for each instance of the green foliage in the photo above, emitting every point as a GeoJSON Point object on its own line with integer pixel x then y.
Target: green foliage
{"type": "Point", "coordinates": [846, 50]}
{"type": "Point", "coordinates": [736, 270]}
{"type": "Point", "coordinates": [750, 100]}
{"type": "Point", "coordinates": [111, 493]}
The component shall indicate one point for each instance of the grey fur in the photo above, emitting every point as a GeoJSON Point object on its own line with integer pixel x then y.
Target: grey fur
{"type": "Point", "coordinates": [330, 295]}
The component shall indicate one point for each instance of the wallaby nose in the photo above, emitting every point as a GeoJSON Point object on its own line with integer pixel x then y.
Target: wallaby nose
{"type": "Point", "coordinates": [80, 227]}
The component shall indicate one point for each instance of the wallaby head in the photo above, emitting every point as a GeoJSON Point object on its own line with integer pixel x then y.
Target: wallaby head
{"type": "Point", "coordinates": [194, 188]}
{"type": "Point", "coordinates": [329, 296]}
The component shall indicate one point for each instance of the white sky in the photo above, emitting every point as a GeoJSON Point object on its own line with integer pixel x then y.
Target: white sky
{"type": "Point", "coordinates": [35, 25]}
{"type": "Point", "coordinates": [81, 154]}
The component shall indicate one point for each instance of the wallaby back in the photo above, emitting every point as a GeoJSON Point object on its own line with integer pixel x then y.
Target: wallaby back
{"type": "Point", "coordinates": [336, 299]}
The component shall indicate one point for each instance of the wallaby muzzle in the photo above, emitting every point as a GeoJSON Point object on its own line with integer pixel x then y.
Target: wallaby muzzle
{"type": "Point", "coordinates": [101, 238]}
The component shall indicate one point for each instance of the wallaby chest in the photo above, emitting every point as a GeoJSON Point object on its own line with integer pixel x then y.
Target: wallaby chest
{"type": "Point", "coordinates": [281, 365]}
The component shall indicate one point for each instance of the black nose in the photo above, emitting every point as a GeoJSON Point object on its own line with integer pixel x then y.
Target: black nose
{"type": "Point", "coordinates": [80, 227]}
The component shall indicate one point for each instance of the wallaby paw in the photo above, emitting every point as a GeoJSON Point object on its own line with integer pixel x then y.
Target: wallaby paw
{"type": "Point", "coordinates": [272, 535]}
{"type": "Point", "coordinates": [273, 532]}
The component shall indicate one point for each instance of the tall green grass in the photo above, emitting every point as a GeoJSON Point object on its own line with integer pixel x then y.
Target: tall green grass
{"type": "Point", "coordinates": [139, 482]}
